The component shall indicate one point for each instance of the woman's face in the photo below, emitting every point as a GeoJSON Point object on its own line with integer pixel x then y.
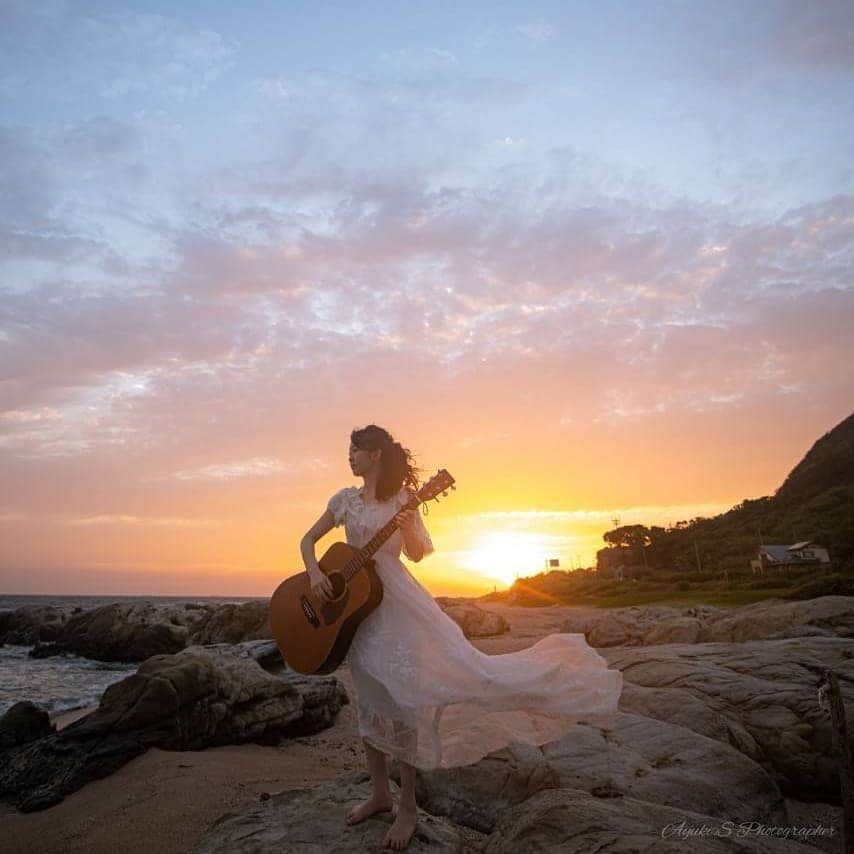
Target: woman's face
{"type": "Point", "coordinates": [361, 461]}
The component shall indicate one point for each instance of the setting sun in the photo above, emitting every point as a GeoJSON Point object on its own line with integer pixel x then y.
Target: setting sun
{"type": "Point", "coordinates": [504, 555]}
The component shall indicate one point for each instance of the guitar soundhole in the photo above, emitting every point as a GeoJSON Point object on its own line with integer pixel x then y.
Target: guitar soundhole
{"type": "Point", "coordinates": [339, 585]}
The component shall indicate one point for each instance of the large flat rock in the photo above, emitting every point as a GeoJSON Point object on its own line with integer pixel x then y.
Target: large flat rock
{"type": "Point", "coordinates": [648, 625]}
{"type": "Point", "coordinates": [571, 821]}
{"type": "Point", "coordinates": [312, 821]}
{"type": "Point", "coordinates": [758, 696]}
{"type": "Point", "coordinates": [633, 757]}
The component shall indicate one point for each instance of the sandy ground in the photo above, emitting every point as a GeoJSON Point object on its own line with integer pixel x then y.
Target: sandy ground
{"type": "Point", "coordinates": [165, 800]}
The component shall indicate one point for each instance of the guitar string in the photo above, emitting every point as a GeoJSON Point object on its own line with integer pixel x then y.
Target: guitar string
{"type": "Point", "coordinates": [375, 543]}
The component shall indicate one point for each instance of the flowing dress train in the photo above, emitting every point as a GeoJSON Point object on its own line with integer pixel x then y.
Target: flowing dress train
{"type": "Point", "coordinates": [426, 695]}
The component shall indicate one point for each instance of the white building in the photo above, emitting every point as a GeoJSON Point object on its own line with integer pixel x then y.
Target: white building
{"type": "Point", "coordinates": [776, 557]}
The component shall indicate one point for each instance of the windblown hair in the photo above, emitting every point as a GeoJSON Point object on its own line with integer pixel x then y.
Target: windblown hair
{"type": "Point", "coordinates": [396, 462]}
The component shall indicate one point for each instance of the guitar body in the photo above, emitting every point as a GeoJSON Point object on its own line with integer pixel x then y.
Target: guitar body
{"type": "Point", "coordinates": [314, 637]}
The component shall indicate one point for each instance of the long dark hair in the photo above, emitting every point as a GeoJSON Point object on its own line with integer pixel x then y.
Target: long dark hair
{"type": "Point", "coordinates": [396, 462]}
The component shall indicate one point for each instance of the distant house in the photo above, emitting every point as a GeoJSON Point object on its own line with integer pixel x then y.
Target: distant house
{"type": "Point", "coordinates": [775, 558]}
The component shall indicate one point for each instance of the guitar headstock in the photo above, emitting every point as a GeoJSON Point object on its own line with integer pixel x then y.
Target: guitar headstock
{"type": "Point", "coordinates": [438, 484]}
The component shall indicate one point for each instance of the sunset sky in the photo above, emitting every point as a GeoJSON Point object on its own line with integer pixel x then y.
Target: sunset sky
{"type": "Point", "coordinates": [594, 259]}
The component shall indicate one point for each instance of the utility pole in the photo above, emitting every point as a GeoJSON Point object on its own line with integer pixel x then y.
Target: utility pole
{"type": "Point", "coordinates": [697, 553]}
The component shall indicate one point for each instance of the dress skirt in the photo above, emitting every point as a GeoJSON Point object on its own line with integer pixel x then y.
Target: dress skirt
{"type": "Point", "coordinates": [427, 696]}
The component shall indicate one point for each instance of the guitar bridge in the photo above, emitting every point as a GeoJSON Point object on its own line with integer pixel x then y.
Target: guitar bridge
{"type": "Point", "coordinates": [310, 613]}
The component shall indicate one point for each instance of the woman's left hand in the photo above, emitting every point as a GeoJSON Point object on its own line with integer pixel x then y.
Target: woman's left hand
{"type": "Point", "coordinates": [406, 518]}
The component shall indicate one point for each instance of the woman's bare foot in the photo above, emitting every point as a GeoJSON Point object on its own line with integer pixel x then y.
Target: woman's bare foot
{"type": "Point", "coordinates": [375, 803]}
{"type": "Point", "coordinates": [401, 831]}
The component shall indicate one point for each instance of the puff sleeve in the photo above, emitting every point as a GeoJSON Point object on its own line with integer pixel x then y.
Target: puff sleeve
{"type": "Point", "coordinates": [338, 504]}
{"type": "Point", "coordinates": [421, 534]}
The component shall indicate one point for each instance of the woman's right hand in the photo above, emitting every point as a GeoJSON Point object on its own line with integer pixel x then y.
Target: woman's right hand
{"type": "Point", "coordinates": [321, 586]}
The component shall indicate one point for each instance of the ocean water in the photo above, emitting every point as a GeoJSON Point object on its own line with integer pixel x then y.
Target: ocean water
{"type": "Point", "coordinates": [55, 684]}
{"type": "Point", "coordinates": [66, 682]}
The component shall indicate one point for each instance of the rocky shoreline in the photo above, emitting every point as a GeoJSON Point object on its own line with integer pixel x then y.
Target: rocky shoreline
{"type": "Point", "coordinates": [123, 631]}
{"type": "Point", "coordinates": [719, 723]}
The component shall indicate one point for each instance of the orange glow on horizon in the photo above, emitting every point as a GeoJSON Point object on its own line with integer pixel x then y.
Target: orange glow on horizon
{"type": "Point", "coordinates": [475, 552]}
{"type": "Point", "coordinates": [235, 531]}
{"type": "Point", "coordinates": [506, 555]}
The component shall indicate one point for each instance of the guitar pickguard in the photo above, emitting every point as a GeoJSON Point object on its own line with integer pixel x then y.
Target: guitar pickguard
{"type": "Point", "coordinates": [333, 609]}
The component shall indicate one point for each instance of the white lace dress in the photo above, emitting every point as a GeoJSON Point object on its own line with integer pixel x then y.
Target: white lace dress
{"type": "Point", "coordinates": [427, 696]}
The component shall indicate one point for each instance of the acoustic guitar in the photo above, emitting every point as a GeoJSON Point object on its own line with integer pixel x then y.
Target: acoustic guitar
{"type": "Point", "coordinates": [314, 637]}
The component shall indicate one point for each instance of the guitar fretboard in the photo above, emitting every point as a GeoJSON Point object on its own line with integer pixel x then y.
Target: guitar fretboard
{"type": "Point", "coordinates": [375, 543]}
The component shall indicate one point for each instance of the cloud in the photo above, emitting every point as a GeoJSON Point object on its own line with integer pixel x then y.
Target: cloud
{"type": "Point", "coordinates": [256, 467]}
{"type": "Point", "coordinates": [508, 270]}
{"type": "Point", "coordinates": [111, 519]}
{"type": "Point", "coordinates": [427, 266]}
{"type": "Point", "coordinates": [117, 55]}
{"type": "Point", "coordinates": [539, 31]}
{"type": "Point", "coordinates": [819, 35]}
{"type": "Point", "coordinates": [463, 278]}
{"type": "Point", "coordinates": [192, 322]}
{"type": "Point", "coordinates": [419, 60]}
{"type": "Point", "coordinates": [627, 515]}
{"type": "Point", "coordinates": [29, 186]}
{"type": "Point", "coordinates": [56, 213]}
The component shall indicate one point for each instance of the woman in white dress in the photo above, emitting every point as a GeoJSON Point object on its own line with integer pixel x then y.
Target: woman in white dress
{"type": "Point", "coordinates": [424, 694]}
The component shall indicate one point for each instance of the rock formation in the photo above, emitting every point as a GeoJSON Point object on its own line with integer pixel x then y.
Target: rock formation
{"type": "Point", "coordinates": [123, 631]}
{"type": "Point", "coordinates": [196, 698]}
{"type": "Point", "coordinates": [23, 723]}
{"type": "Point", "coordinates": [474, 621]}
{"type": "Point", "coordinates": [645, 625]}
{"type": "Point", "coordinates": [759, 696]}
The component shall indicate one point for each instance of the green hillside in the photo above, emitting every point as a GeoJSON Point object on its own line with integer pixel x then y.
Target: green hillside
{"type": "Point", "coordinates": [815, 502]}
{"type": "Point", "coordinates": [708, 559]}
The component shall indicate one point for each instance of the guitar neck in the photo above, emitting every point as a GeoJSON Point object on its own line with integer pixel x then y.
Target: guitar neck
{"type": "Point", "coordinates": [373, 545]}
{"type": "Point", "coordinates": [439, 483]}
